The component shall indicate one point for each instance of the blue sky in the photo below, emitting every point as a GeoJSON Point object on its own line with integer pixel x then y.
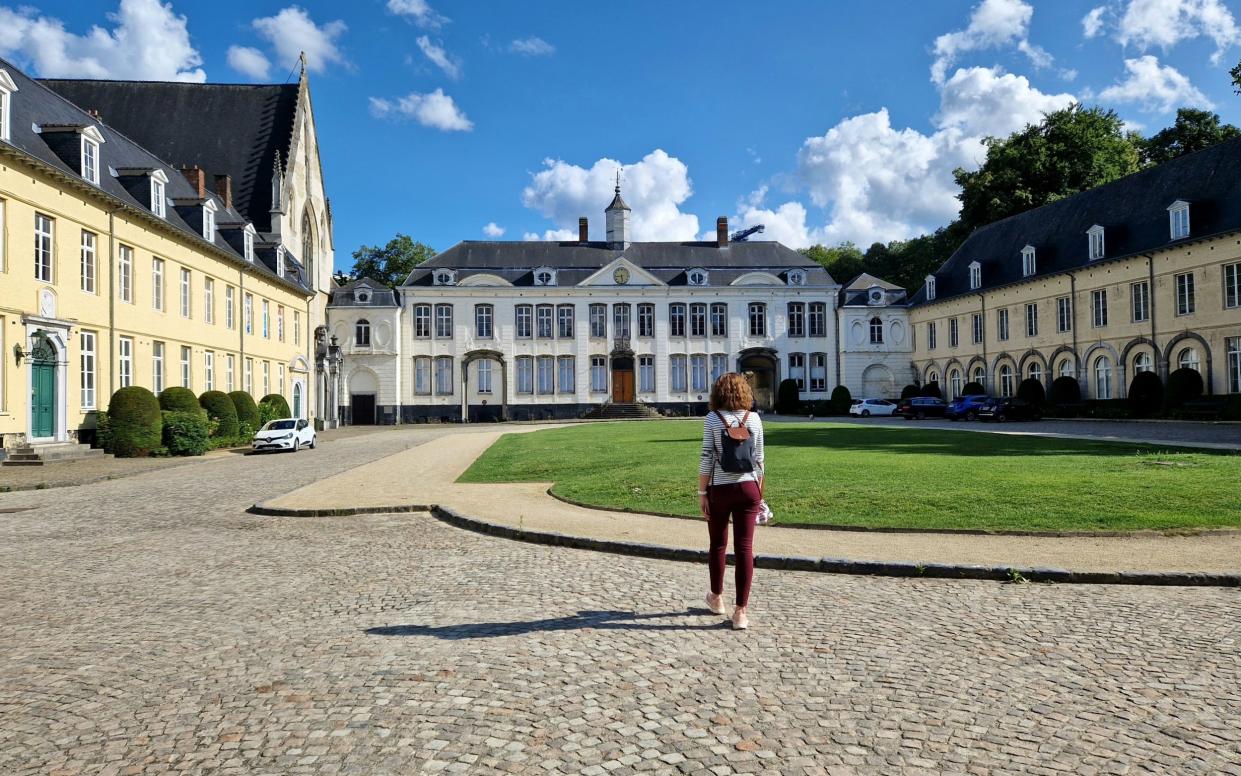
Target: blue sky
{"type": "Point", "coordinates": [823, 120]}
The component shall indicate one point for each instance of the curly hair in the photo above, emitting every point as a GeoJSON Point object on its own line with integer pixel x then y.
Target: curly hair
{"type": "Point", "coordinates": [731, 392]}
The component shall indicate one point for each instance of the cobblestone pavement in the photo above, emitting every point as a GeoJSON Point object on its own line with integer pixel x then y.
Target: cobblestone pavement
{"type": "Point", "coordinates": [150, 626]}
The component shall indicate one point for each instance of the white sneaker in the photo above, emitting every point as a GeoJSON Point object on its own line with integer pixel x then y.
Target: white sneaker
{"type": "Point", "coordinates": [715, 603]}
{"type": "Point", "coordinates": [740, 620]}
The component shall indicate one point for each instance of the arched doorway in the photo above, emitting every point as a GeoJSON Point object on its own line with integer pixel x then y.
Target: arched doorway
{"type": "Point", "coordinates": [44, 398]}
{"type": "Point", "coordinates": [482, 413]}
{"type": "Point", "coordinates": [762, 369]}
{"type": "Point", "coordinates": [297, 399]}
{"type": "Point", "coordinates": [363, 390]}
{"type": "Point", "coordinates": [878, 382]}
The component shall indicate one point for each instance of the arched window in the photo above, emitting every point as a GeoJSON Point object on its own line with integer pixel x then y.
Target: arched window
{"type": "Point", "coordinates": [362, 334]}
{"type": "Point", "coordinates": [876, 331]}
{"type": "Point", "coordinates": [980, 376]}
{"type": "Point", "coordinates": [1006, 380]}
{"type": "Point", "coordinates": [1188, 359]}
{"type": "Point", "coordinates": [1036, 372]}
{"type": "Point", "coordinates": [932, 377]}
{"type": "Point", "coordinates": [1102, 378]}
{"type": "Point", "coordinates": [308, 247]}
{"type": "Point", "coordinates": [955, 384]}
{"type": "Point", "coordinates": [1066, 367]}
{"type": "Point", "coordinates": [1143, 363]}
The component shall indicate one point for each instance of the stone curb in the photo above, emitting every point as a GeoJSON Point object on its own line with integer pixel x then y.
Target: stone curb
{"type": "Point", "coordinates": [783, 562]}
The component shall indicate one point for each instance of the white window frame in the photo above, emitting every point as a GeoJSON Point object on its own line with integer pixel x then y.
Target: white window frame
{"type": "Point", "coordinates": [698, 373]}
{"type": "Point", "coordinates": [818, 372]}
{"type": "Point", "coordinates": [422, 376]}
{"type": "Point", "coordinates": [524, 374]}
{"type": "Point", "coordinates": [1064, 314]}
{"type": "Point", "coordinates": [1233, 347]}
{"type": "Point", "coordinates": [1098, 307]}
{"type": "Point", "coordinates": [187, 290]}
{"type": "Point", "coordinates": [545, 375]}
{"type": "Point", "coordinates": [443, 376]}
{"type": "Point", "coordinates": [247, 242]}
{"type": "Point", "coordinates": [266, 307]}
{"type": "Point", "coordinates": [209, 300]}
{"type": "Point", "coordinates": [230, 307]}
{"type": "Point", "coordinates": [930, 288]}
{"type": "Point", "coordinates": [362, 333]}
{"type": "Point", "coordinates": [44, 248]}
{"type": "Point", "coordinates": [443, 322]}
{"type": "Point", "coordinates": [280, 322]}
{"type": "Point", "coordinates": [159, 182]}
{"type": "Point", "coordinates": [545, 276]}
{"type": "Point", "coordinates": [1095, 245]}
{"type": "Point", "coordinates": [797, 319]}
{"type": "Point", "coordinates": [1232, 286]}
{"type": "Point", "coordinates": [678, 312]}
{"type": "Point", "coordinates": [1140, 301]}
{"type": "Point", "coordinates": [209, 221]}
{"type": "Point", "coordinates": [247, 376]}
{"type": "Point", "coordinates": [483, 369]}
{"type": "Point", "coordinates": [719, 365]}
{"type": "Point", "coordinates": [209, 370]}
{"type": "Point", "coordinates": [646, 374]}
{"type": "Point", "coordinates": [756, 313]}
{"type": "Point", "coordinates": [89, 367]}
{"type": "Point", "coordinates": [566, 374]}
{"type": "Point", "coordinates": [1002, 324]}
{"type": "Point", "coordinates": [157, 283]}
{"type": "Point", "coordinates": [89, 261]}
{"type": "Point", "coordinates": [1031, 319]}
{"type": "Point", "coordinates": [484, 318]}
{"type": "Point", "coordinates": [187, 366]}
{"type": "Point", "coordinates": [797, 370]}
{"type": "Point", "coordinates": [92, 142]}
{"type": "Point", "coordinates": [1029, 262]}
{"type": "Point", "coordinates": [976, 328]}
{"type": "Point", "coordinates": [1186, 301]}
{"type": "Point", "coordinates": [125, 362]}
{"type": "Point", "coordinates": [1178, 220]}
{"type": "Point", "coordinates": [875, 327]}
{"type": "Point", "coordinates": [598, 374]}
{"type": "Point", "coordinates": [598, 321]}
{"type": "Point", "coordinates": [646, 320]}
{"type": "Point", "coordinates": [248, 313]}
{"type": "Point", "coordinates": [698, 277]}
{"type": "Point", "coordinates": [545, 321]}
{"type": "Point", "coordinates": [565, 321]}
{"type": "Point", "coordinates": [1102, 378]}
{"type": "Point", "coordinates": [954, 333]}
{"type": "Point", "coordinates": [230, 372]}
{"type": "Point", "coordinates": [125, 270]}
{"type": "Point", "coordinates": [266, 378]}
{"type": "Point", "coordinates": [7, 88]}
{"type": "Point", "coordinates": [157, 367]}
{"type": "Point", "coordinates": [422, 321]}
{"type": "Point", "coordinates": [975, 275]}
{"type": "Point", "coordinates": [678, 373]}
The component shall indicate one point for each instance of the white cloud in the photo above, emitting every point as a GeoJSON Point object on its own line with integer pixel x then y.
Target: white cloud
{"type": "Point", "coordinates": [435, 109]}
{"type": "Point", "coordinates": [292, 31]}
{"type": "Point", "coordinates": [419, 11]}
{"type": "Point", "coordinates": [147, 42]}
{"type": "Point", "coordinates": [981, 101]}
{"type": "Point", "coordinates": [1164, 23]}
{"type": "Point", "coordinates": [249, 61]}
{"type": "Point", "coordinates": [440, 57]}
{"type": "Point", "coordinates": [532, 47]}
{"type": "Point", "coordinates": [654, 188]}
{"type": "Point", "coordinates": [785, 224]}
{"type": "Point", "coordinates": [993, 24]}
{"type": "Point", "coordinates": [551, 235]}
{"type": "Point", "coordinates": [1092, 23]}
{"type": "Point", "coordinates": [1154, 87]}
{"type": "Point", "coordinates": [493, 229]}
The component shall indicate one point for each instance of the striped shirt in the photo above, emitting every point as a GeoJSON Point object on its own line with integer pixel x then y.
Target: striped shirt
{"type": "Point", "coordinates": [711, 430]}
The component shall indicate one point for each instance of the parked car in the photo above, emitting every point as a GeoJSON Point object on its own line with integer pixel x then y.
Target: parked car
{"type": "Point", "coordinates": [1001, 410]}
{"type": "Point", "coordinates": [921, 407]}
{"type": "Point", "coordinates": [867, 407]}
{"type": "Point", "coordinates": [965, 407]}
{"type": "Point", "coordinates": [285, 434]}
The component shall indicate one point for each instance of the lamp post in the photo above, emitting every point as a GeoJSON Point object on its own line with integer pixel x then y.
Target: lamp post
{"type": "Point", "coordinates": [334, 359]}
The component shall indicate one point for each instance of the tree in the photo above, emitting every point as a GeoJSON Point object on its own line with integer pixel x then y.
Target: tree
{"type": "Point", "coordinates": [1070, 151]}
{"type": "Point", "coordinates": [1194, 130]}
{"type": "Point", "coordinates": [844, 262]}
{"type": "Point", "coordinates": [392, 263]}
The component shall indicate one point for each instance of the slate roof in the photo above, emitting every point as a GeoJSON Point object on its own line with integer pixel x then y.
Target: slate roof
{"type": "Point", "coordinates": [381, 295]}
{"type": "Point", "coordinates": [122, 173]}
{"type": "Point", "coordinates": [1132, 210]}
{"type": "Point", "coordinates": [227, 129]}
{"type": "Point", "coordinates": [574, 261]}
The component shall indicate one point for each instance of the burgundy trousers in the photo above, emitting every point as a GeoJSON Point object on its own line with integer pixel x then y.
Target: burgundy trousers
{"type": "Point", "coordinates": [740, 502]}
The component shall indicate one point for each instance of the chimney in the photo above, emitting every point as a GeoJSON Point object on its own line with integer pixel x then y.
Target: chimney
{"type": "Point", "coordinates": [94, 114]}
{"type": "Point", "coordinates": [721, 232]}
{"type": "Point", "coordinates": [224, 188]}
{"type": "Point", "coordinates": [197, 178]}
{"type": "Point", "coordinates": [583, 231]}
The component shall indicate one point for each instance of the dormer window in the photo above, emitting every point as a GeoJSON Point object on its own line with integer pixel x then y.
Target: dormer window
{"type": "Point", "coordinates": [696, 277]}
{"type": "Point", "coordinates": [362, 296]}
{"type": "Point", "coordinates": [444, 277]}
{"type": "Point", "coordinates": [1095, 237]}
{"type": "Point", "coordinates": [280, 260]}
{"type": "Point", "coordinates": [874, 296]}
{"type": "Point", "coordinates": [247, 242]}
{"type": "Point", "coordinates": [158, 181]}
{"type": "Point", "coordinates": [91, 140]}
{"type": "Point", "coordinates": [796, 278]}
{"type": "Point", "coordinates": [975, 276]}
{"type": "Point", "coordinates": [209, 221]}
{"type": "Point", "coordinates": [544, 276]}
{"type": "Point", "coordinates": [1028, 265]}
{"type": "Point", "coordinates": [7, 88]}
{"type": "Point", "coordinates": [1178, 219]}
{"type": "Point", "coordinates": [930, 287]}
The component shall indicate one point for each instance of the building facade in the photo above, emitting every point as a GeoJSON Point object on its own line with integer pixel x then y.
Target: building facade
{"type": "Point", "coordinates": [876, 342]}
{"type": "Point", "coordinates": [118, 269]}
{"type": "Point", "coordinates": [1142, 274]}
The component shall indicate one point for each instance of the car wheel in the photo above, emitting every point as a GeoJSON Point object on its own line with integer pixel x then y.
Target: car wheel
{"type": "Point", "coordinates": [1001, 418]}
{"type": "Point", "coordinates": [866, 413]}
{"type": "Point", "coordinates": [971, 416]}
{"type": "Point", "coordinates": [313, 440]}
{"type": "Point", "coordinates": [297, 445]}
{"type": "Point", "coordinates": [920, 416]}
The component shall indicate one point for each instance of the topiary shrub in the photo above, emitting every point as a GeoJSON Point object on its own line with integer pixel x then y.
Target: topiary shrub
{"type": "Point", "coordinates": [910, 391]}
{"type": "Point", "coordinates": [103, 431]}
{"type": "Point", "coordinates": [788, 398]}
{"type": "Point", "coordinates": [841, 399]}
{"type": "Point", "coordinates": [973, 389]}
{"type": "Point", "coordinates": [221, 411]}
{"type": "Point", "coordinates": [273, 407]}
{"type": "Point", "coordinates": [931, 390]}
{"type": "Point", "coordinates": [1031, 391]}
{"type": "Point", "coordinates": [247, 410]}
{"type": "Point", "coordinates": [1145, 395]}
{"type": "Point", "coordinates": [185, 433]}
{"type": "Point", "coordinates": [1184, 385]}
{"type": "Point", "coordinates": [1065, 390]}
{"type": "Point", "coordinates": [134, 423]}
{"type": "Point", "coordinates": [177, 399]}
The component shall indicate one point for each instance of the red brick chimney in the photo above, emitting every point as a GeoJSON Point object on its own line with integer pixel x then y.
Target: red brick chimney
{"type": "Point", "coordinates": [224, 189]}
{"type": "Point", "coordinates": [721, 231]}
{"type": "Point", "coordinates": [583, 230]}
{"type": "Point", "coordinates": [197, 178]}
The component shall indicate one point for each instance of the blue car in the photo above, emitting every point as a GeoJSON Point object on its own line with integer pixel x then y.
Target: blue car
{"type": "Point", "coordinates": [965, 407]}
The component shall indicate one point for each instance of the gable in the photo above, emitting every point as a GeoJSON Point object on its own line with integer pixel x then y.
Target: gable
{"type": "Point", "coordinates": [621, 269]}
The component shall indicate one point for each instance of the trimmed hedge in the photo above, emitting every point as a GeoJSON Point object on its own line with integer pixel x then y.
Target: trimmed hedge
{"type": "Point", "coordinates": [1065, 390]}
{"type": "Point", "coordinates": [134, 423]}
{"type": "Point", "coordinates": [973, 389]}
{"type": "Point", "coordinates": [247, 410]}
{"type": "Point", "coordinates": [221, 411]}
{"type": "Point", "coordinates": [910, 391]}
{"type": "Point", "coordinates": [1145, 395]}
{"type": "Point", "coordinates": [185, 433]}
{"type": "Point", "coordinates": [177, 399]}
{"type": "Point", "coordinates": [1031, 391]}
{"type": "Point", "coordinates": [931, 390]}
{"type": "Point", "coordinates": [1184, 385]}
{"type": "Point", "coordinates": [789, 398]}
{"type": "Point", "coordinates": [841, 399]}
{"type": "Point", "coordinates": [277, 401]}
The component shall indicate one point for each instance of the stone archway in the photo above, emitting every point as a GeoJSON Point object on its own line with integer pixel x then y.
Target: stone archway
{"type": "Point", "coordinates": [878, 383]}
{"type": "Point", "coordinates": [483, 355]}
{"type": "Point", "coordinates": [761, 368]}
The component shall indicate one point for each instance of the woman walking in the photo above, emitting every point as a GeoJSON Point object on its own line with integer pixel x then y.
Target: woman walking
{"type": "Point", "coordinates": [730, 484]}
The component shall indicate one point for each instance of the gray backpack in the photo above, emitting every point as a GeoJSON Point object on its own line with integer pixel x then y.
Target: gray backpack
{"type": "Point", "coordinates": [736, 447]}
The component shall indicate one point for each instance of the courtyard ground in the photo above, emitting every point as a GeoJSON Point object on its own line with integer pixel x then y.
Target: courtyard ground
{"type": "Point", "coordinates": [151, 626]}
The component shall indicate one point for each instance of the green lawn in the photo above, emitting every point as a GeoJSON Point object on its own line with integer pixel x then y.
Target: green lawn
{"type": "Point", "coordinates": [872, 476]}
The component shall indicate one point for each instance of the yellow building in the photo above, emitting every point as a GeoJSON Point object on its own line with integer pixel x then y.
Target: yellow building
{"type": "Point", "coordinates": [117, 269]}
{"type": "Point", "coordinates": [1143, 274]}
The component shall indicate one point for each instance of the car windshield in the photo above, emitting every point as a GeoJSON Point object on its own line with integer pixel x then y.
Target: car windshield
{"type": "Point", "coordinates": [281, 425]}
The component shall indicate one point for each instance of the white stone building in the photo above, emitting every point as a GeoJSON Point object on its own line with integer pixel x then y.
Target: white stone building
{"type": "Point", "coordinates": [876, 340]}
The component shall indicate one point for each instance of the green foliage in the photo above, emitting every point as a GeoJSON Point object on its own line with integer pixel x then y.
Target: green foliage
{"type": "Point", "coordinates": [103, 431]}
{"type": "Point", "coordinates": [273, 407]}
{"type": "Point", "coordinates": [177, 399]}
{"type": "Point", "coordinates": [903, 262]}
{"type": "Point", "coordinates": [973, 389]}
{"type": "Point", "coordinates": [247, 410]}
{"type": "Point", "coordinates": [1194, 130]}
{"type": "Point", "coordinates": [134, 423]}
{"type": "Point", "coordinates": [220, 410]}
{"type": "Point", "coordinates": [788, 398]}
{"type": "Point", "coordinates": [1065, 390]}
{"type": "Point", "coordinates": [1145, 395]}
{"type": "Point", "coordinates": [1184, 385]}
{"type": "Point", "coordinates": [844, 262]}
{"type": "Point", "coordinates": [185, 433]}
{"type": "Point", "coordinates": [910, 391]}
{"type": "Point", "coordinates": [841, 399]}
{"type": "Point", "coordinates": [1070, 151]}
{"type": "Point", "coordinates": [392, 263]}
{"type": "Point", "coordinates": [931, 390]}
{"type": "Point", "coordinates": [246, 431]}
{"type": "Point", "coordinates": [1032, 392]}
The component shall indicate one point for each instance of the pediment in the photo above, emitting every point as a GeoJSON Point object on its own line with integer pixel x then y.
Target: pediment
{"type": "Point", "coordinates": [484, 279]}
{"type": "Point", "coordinates": [622, 272]}
{"type": "Point", "coordinates": [757, 279]}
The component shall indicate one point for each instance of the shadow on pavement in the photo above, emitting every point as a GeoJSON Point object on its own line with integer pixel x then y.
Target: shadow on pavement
{"type": "Point", "coordinates": [598, 620]}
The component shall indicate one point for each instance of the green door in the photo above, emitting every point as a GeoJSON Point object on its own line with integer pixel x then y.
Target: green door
{"type": "Point", "coordinates": [43, 399]}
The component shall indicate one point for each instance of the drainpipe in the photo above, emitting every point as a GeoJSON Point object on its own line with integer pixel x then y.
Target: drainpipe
{"type": "Point", "coordinates": [836, 313]}
{"type": "Point", "coordinates": [111, 304]}
{"type": "Point", "coordinates": [982, 311]}
{"type": "Point", "coordinates": [241, 329]}
{"type": "Point", "coordinates": [1079, 367]}
{"type": "Point", "coordinates": [1160, 364]}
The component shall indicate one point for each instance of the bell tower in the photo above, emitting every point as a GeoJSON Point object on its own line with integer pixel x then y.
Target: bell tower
{"type": "Point", "coordinates": [617, 218]}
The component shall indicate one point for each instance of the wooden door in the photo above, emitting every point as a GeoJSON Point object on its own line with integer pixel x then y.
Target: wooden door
{"type": "Point", "coordinates": [43, 398]}
{"type": "Point", "coordinates": [622, 386]}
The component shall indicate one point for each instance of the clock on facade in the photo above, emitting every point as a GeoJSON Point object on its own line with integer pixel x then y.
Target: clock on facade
{"type": "Point", "coordinates": [621, 276]}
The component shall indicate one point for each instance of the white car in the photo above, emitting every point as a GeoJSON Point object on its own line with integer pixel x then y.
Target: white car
{"type": "Point", "coordinates": [285, 434]}
{"type": "Point", "coordinates": [868, 407]}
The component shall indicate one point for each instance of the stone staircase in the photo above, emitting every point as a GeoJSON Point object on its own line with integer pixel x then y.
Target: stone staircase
{"type": "Point", "coordinates": [37, 455]}
{"type": "Point", "coordinates": [623, 411]}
